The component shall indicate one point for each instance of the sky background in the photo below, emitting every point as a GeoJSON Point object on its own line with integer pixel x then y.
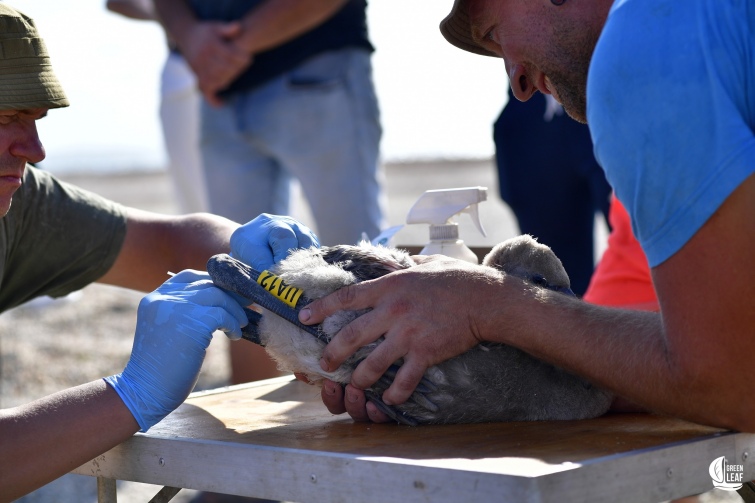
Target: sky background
{"type": "Point", "coordinates": [436, 101]}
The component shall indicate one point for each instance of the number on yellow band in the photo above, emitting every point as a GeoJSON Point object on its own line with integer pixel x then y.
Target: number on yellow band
{"type": "Point", "coordinates": [275, 285]}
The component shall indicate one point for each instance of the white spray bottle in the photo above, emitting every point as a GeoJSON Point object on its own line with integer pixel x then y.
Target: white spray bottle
{"type": "Point", "coordinates": [438, 208]}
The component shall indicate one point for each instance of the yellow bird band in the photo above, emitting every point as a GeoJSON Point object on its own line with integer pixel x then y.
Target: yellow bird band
{"type": "Point", "coordinates": [275, 285]}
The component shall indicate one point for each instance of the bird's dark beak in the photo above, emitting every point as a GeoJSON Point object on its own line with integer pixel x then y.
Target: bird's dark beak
{"type": "Point", "coordinates": [564, 289]}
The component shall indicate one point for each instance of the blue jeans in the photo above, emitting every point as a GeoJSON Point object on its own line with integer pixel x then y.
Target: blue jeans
{"type": "Point", "coordinates": [319, 123]}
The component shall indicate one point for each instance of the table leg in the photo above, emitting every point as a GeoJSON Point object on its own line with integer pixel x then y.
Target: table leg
{"type": "Point", "coordinates": [747, 492]}
{"type": "Point", "coordinates": [106, 492]}
{"type": "Point", "coordinates": [165, 495]}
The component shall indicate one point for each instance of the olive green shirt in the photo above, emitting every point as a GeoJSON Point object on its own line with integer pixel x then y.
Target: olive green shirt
{"type": "Point", "coordinates": [56, 239]}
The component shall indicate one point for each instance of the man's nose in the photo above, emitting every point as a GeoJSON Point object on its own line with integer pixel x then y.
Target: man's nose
{"type": "Point", "coordinates": [520, 83]}
{"type": "Point", "coordinates": [27, 144]}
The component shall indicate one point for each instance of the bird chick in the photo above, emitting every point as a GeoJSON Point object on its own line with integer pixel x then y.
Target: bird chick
{"type": "Point", "coordinates": [490, 382]}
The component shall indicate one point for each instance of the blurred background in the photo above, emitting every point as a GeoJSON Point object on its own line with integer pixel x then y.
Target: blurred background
{"type": "Point", "coordinates": [437, 102]}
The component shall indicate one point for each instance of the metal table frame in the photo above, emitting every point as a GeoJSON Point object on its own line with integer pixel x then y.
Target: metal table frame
{"type": "Point", "coordinates": [297, 451]}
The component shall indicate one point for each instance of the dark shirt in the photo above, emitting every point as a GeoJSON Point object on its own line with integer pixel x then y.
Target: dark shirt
{"type": "Point", "coordinates": [347, 28]}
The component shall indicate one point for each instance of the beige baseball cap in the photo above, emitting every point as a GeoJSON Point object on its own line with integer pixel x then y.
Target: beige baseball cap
{"type": "Point", "coordinates": [456, 29]}
{"type": "Point", "coordinates": [26, 76]}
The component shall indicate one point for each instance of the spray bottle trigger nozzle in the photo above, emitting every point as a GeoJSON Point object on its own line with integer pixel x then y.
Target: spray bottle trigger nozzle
{"type": "Point", "coordinates": [474, 212]}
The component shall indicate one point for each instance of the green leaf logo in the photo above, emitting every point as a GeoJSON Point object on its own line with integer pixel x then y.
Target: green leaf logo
{"type": "Point", "coordinates": [717, 470]}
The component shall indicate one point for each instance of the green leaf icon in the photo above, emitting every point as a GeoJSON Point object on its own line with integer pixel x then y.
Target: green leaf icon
{"type": "Point", "coordinates": [717, 470]}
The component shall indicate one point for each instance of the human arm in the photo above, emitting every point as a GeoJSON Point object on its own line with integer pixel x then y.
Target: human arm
{"type": "Point", "coordinates": [274, 23]}
{"type": "Point", "coordinates": [51, 436]}
{"type": "Point", "coordinates": [686, 361]}
{"type": "Point", "coordinates": [218, 53]}
{"type": "Point", "coordinates": [156, 244]}
{"type": "Point", "coordinates": [135, 9]}
{"type": "Point", "coordinates": [206, 45]}
{"type": "Point", "coordinates": [47, 438]}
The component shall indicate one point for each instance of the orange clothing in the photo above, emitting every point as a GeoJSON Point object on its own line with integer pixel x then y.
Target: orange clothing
{"type": "Point", "coordinates": [622, 277]}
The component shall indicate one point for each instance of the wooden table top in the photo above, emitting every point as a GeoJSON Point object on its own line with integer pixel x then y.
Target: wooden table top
{"type": "Point", "coordinates": [275, 439]}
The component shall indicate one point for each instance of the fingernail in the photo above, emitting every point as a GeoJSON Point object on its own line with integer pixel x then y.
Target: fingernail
{"type": "Point", "coordinates": [352, 397]}
{"type": "Point", "coordinates": [304, 315]}
{"type": "Point", "coordinates": [324, 365]}
{"type": "Point", "coordinates": [386, 400]}
{"type": "Point", "coordinates": [330, 388]}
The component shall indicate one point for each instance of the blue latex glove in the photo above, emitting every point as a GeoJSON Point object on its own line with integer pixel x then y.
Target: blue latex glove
{"type": "Point", "coordinates": [173, 329]}
{"type": "Point", "coordinates": [268, 238]}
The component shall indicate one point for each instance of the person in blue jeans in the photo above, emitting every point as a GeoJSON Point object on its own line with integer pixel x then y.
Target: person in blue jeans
{"type": "Point", "coordinates": [549, 177]}
{"type": "Point", "coordinates": [288, 94]}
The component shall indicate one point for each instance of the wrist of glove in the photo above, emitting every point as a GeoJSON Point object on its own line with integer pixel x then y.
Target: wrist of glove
{"type": "Point", "coordinates": [174, 327]}
{"type": "Point", "coordinates": [268, 239]}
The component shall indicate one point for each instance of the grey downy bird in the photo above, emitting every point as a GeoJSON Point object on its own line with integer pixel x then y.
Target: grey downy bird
{"type": "Point", "coordinates": [490, 382]}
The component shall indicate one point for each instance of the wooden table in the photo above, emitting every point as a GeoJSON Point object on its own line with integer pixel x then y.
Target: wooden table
{"type": "Point", "coordinates": [274, 439]}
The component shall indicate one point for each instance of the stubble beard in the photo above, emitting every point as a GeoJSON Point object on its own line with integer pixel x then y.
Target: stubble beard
{"type": "Point", "coordinates": [572, 95]}
{"type": "Point", "coordinates": [568, 76]}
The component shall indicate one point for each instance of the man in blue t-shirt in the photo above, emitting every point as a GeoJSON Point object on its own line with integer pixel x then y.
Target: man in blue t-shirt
{"type": "Point", "coordinates": [670, 100]}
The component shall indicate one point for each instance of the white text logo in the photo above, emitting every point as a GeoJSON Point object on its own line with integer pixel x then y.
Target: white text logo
{"type": "Point", "coordinates": [725, 476]}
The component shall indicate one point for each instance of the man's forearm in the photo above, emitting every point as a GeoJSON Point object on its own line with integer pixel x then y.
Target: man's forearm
{"type": "Point", "coordinates": [156, 244]}
{"type": "Point", "coordinates": [51, 436]}
{"type": "Point", "coordinates": [135, 9]}
{"type": "Point", "coordinates": [276, 22]}
{"type": "Point", "coordinates": [197, 237]}
{"type": "Point", "coordinates": [177, 18]}
{"type": "Point", "coordinates": [689, 361]}
{"type": "Point", "coordinates": [629, 353]}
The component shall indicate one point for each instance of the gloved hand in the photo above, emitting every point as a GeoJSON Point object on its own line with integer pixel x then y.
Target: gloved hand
{"type": "Point", "coordinates": [173, 329]}
{"type": "Point", "coordinates": [268, 238]}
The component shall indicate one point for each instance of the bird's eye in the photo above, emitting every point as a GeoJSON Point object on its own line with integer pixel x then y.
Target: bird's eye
{"type": "Point", "coordinates": [539, 280]}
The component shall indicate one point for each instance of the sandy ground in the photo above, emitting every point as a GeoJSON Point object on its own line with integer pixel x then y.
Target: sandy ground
{"type": "Point", "coordinates": [50, 345]}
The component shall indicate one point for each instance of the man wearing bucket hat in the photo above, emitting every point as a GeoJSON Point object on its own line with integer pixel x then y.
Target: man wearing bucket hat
{"type": "Point", "coordinates": [670, 102]}
{"type": "Point", "coordinates": [56, 238]}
